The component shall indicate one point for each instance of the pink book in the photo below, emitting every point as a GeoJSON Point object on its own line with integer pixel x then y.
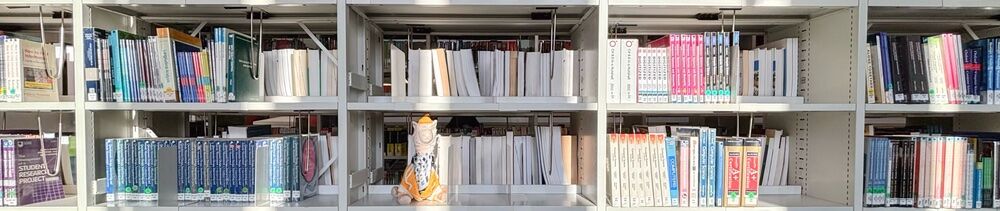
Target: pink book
{"type": "Point", "coordinates": [949, 66]}
{"type": "Point", "coordinates": [675, 89]}
{"type": "Point", "coordinates": [661, 42]}
{"type": "Point", "coordinates": [688, 77]}
{"type": "Point", "coordinates": [196, 78]}
{"type": "Point", "coordinates": [682, 171]}
{"type": "Point", "coordinates": [942, 159]}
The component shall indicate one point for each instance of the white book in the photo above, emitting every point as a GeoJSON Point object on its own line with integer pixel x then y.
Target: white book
{"type": "Point", "coordinates": [790, 54]}
{"type": "Point", "coordinates": [314, 75]}
{"type": "Point", "coordinates": [455, 161]}
{"type": "Point", "coordinates": [397, 71]}
{"type": "Point", "coordinates": [449, 55]}
{"type": "Point", "coordinates": [425, 74]}
{"type": "Point", "coordinates": [442, 150]}
{"type": "Point", "coordinates": [614, 170]}
{"type": "Point", "coordinates": [647, 172]}
{"type": "Point", "coordinates": [558, 78]}
{"type": "Point", "coordinates": [329, 72]}
{"type": "Point", "coordinates": [413, 72]}
{"type": "Point", "coordinates": [783, 174]}
{"type": "Point", "coordinates": [629, 65]}
{"type": "Point", "coordinates": [532, 62]}
{"type": "Point", "coordinates": [499, 160]}
{"type": "Point", "coordinates": [469, 73]}
{"type": "Point", "coordinates": [477, 174]}
{"type": "Point", "coordinates": [438, 78]}
{"type": "Point", "coordinates": [545, 74]}
{"type": "Point", "coordinates": [781, 84]}
{"type": "Point", "coordinates": [518, 160]}
{"type": "Point", "coordinates": [466, 160]}
{"type": "Point", "coordinates": [614, 71]}
{"type": "Point", "coordinates": [460, 87]}
{"type": "Point", "coordinates": [625, 152]}
{"type": "Point", "coordinates": [485, 73]}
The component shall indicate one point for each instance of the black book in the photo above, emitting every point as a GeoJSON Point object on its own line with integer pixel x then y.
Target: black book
{"type": "Point", "coordinates": [900, 68]}
{"type": "Point", "coordinates": [918, 74]}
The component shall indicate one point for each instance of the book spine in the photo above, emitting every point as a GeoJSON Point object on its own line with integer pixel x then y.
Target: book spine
{"type": "Point", "coordinates": [751, 166]}
{"type": "Point", "coordinates": [684, 171]}
{"type": "Point", "coordinates": [672, 170]}
{"type": "Point", "coordinates": [734, 168]}
{"type": "Point", "coordinates": [9, 172]}
{"type": "Point", "coordinates": [614, 70]}
{"type": "Point", "coordinates": [110, 169]}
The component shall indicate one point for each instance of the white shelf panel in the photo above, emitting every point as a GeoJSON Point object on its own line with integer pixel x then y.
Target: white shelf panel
{"type": "Point", "coordinates": [801, 3]}
{"type": "Point", "coordinates": [727, 108]}
{"type": "Point", "coordinates": [37, 106]}
{"type": "Point", "coordinates": [931, 108]}
{"type": "Point", "coordinates": [971, 3]}
{"type": "Point", "coordinates": [204, 2]}
{"type": "Point", "coordinates": [36, 2]}
{"type": "Point", "coordinates": [68, 203]}
{"type": "Point", "coordinates": [238, 106]}
{"type": "Point", "coordinates": [905, 3]}
{"type": "Point", "coordinates": [732, 3]}
{"type": "Point", "coordinates": [478, 2]}
{"type": "Point", "coordinates": [481, 202]}
{"type": "Point", "coordinates": [474, 104]}
{"type": "Point", "coordinates": [766, 203]}
{"type": "Point", "coordinates": [317, 203]}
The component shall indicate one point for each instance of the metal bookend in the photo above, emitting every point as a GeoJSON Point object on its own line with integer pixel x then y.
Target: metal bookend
{"type": "Point", "coordinates": [166, 176]}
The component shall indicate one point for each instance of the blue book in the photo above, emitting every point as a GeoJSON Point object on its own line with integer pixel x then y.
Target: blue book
{"type": "Point", "coordinates": [710, 170]}
{"type": "Point", "coordinates": [110, 169]}
{"type": "Point", "coordinates": [671, 147]}
{"type": "Point", "coordinates": [977, 201]}
{"type": "Point", "coordinates": [886, 67]}
{"type": "Point", "coordinates": [720, 156]}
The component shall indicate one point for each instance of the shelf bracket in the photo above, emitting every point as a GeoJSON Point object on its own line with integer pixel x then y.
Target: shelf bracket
{"type": "Point", "coordinates": [969, 30]}
{"type": "Point", "coordinates": [322, 47]}
{"type": "Point", "coordinates": [197, 29]}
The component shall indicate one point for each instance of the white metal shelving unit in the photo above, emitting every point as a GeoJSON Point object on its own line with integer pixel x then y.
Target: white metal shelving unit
{"type": "Point", "coordinates": [828, 127]}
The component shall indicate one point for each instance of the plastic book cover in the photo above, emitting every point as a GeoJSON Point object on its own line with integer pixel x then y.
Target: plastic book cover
{"type": "Point", "coordinates": [734, 169]}
{"type": "Point", "coordinates": [309, 163]}
{"type": "Point", "coordinates": [671, 148]}
{"type": "Point", "coordinates": [243, 62]}
{"type": "Point", "coordinates": [751, 167]}
{"type": "Point", "coordinates": [35, 171]}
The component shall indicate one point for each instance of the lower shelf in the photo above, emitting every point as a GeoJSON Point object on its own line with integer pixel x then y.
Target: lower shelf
{"type": "Point", "coordinates": [481, 202]}
{"type": "Point", "coordinates": [316, 203]}
{"type": "Point", "coordinates": [68, 203]}
{"type": "Point", "coordinates": [767, 202]}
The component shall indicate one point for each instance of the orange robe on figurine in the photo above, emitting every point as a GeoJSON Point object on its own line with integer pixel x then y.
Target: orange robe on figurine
{"type": "Point", "coordinates": [420, 180]}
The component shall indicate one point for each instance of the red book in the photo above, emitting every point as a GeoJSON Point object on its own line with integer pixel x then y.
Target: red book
{"type": "Point", "coordinates": [196, 78]}
{"type": "Point", "coordinates": [751, 171]}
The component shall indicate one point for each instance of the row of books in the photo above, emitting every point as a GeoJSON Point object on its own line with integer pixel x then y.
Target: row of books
{"type": "Point", "coordinates": [931, 69]}
{"type": "Point", "coordinates": [699, 68]}
{"type": "Point", "coordinates": [294, 72]}
{"type": "Point", "coordinates": [496, 73]}
{"type": "Point", "coordinates": [27, 71]}
{"type": "Point", "coordinates": [175, 67]}
{"type": "Point", "coordinates": [547, 158]}
{"type": "Point", "coordinates": [690, 167]}
{"type": "Point", "coordinates": [216, 169]}
{"type": "Point", "coordinates": [775, 160]}
{"type": "Point", "coordinates": [930, 172]}
{"type": "Point", "coordinates": [31, 169]}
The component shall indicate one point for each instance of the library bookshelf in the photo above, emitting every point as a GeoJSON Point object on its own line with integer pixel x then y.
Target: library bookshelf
{"type": "Point", "coordinates": [827, 128]}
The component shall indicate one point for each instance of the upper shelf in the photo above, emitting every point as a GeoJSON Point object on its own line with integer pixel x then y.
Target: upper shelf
{"type": "Point", "coordinates": [326, 105]}
{"type": "Point", "coordinates": [934, 3]}
{"type": "Point", "coordinates": [509, 18]}
{"type": "Point", "coordinates": [738, 3]}
{"type": "Point", "coordinates": [37, 106]}
{"type": "Point", "coordinates": [473, 104]}
{"type": "Point", "coordinates": [660, 19]}
{"type": "Point", "coordinates": [212, 2]}
{"type": "Point", "coordinates": [475, 2]}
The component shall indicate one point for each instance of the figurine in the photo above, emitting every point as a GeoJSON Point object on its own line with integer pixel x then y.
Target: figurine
{"type": "Point", "coordinates": [420, 180]}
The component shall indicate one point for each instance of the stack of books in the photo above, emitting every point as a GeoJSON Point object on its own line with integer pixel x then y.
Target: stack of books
{"type": "Point", "coordinates": [700, 68]}
{"type": "Point", "coordinates": [486, 73]}
{"type": "Point", "coordinates": [215, 169]}
{"type": "Point", "coordinates": [172, 66]}
{"type": "Point", "coordinates": [31, 170]}
{"type": "Point", "coordinates": [27, 71]}
{"type": "Point", "coordinates": [931, 171]}
{"type": "Point", "coordinates": [508, 158]}
{"type": "Point", "coordinates": [932, 70]}
{"type": "Point", "coordinates": [690, 167]}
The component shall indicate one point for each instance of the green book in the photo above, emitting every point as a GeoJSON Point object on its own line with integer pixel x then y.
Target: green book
{"type": "Point", "coordinates": [243, 63]}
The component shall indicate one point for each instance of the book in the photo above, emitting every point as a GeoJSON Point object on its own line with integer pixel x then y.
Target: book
{"type": "Point", "coordinates": [31, 170]}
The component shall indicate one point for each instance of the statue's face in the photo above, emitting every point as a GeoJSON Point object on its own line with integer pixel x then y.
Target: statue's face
{"type": "Point", "coordinates": [425, 134]}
